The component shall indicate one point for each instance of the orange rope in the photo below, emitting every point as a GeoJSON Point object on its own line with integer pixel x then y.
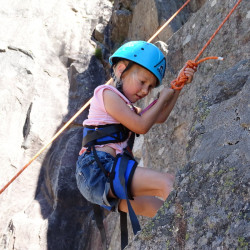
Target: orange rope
{"type": "Point", "coordinates": [51, 140]}
{"type": "Point", "coordinates": [169, 20]}
{"type": "Point", "coordinates": [215, 33]}
{"type": "Point", "coordinates": [181, 80]}
{"type": "Point", "coordinates": [82, 109]}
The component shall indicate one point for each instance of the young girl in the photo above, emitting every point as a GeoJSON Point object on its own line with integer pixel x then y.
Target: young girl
{"type": "Point", "coordinates": [107, 174]}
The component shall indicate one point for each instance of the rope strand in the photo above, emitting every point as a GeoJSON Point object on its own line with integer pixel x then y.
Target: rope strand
{"type": "Point", "coordinates": [167, 23]}
{"type": "Point", "coordinates": [218, 29]}
{"type": "Point", "coordinates": [181, 80]}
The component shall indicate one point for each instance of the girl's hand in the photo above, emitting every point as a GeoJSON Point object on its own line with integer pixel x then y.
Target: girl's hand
{"type": "Point", "coordinates": [189, 72]}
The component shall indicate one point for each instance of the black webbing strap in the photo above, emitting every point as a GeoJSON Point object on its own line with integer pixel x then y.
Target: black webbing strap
{"type": "Point", "coordinates": [133, 218]}
{"type": "Point", "coordinates": [124, 229]}
{"type": "Point", "coordinates": [98, 213]}
{"type": "Point", "coordinates": [103, 131]}
{"type": "Point", "coordinates": [99, 162]}
{"type": "Point", "coordinates": [130, 143]}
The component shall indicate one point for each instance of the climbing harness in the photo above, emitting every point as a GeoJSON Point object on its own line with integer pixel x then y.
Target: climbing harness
{"type": "Point", "coordinates": [122, 171]}
{"type": "Point", "coordinates": [175, 84]}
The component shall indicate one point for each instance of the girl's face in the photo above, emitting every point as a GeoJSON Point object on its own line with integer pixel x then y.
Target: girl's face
{"type": "Point", "coordinates": [137, 83]}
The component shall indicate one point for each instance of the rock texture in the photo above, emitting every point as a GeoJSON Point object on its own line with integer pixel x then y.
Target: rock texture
{"type": "Point", "coordinates": [206, 140]}
{"type": "Point", "coordinates": [53, 54]}
{"type": "Point", "coordinates": [48, 70]}
{"type": "Point", "coordinates": [150, 15]}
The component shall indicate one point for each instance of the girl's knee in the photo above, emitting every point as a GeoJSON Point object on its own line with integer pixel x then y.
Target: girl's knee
{"type": "Point", "coordinates": [151, 183]}
{"type": "Point", "coordinates": [144, 205]}
{"type": "Point", "coordinates": [167, 185]}
{"type": "Point", "coordinates": [170, 179]}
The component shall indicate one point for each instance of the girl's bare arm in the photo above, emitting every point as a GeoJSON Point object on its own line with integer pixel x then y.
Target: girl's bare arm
{"type": "Point", "coordinates": [164, 114]}
{"type": "Point", "coordinates": [189, 72]}
{"type": "Point", "coordinates": [119, 110]}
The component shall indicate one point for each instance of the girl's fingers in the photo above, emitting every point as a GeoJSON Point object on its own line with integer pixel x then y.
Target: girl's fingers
{"type": "Point", "coordinates": [189, 72]}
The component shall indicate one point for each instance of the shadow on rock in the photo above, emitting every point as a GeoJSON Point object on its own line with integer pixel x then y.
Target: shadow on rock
{"type": "Point", "coordinates": [69, 215]}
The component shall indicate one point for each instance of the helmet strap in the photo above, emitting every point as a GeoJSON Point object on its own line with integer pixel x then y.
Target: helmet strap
{"type": "Point", "coordinates": [118, 82]}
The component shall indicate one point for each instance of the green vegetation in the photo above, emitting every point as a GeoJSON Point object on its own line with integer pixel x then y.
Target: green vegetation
{"type": "Point", "coordinates": [167, 244]}
{"type": "Point", "coordinates": [98, 53]}
{"type": "Point", "coordinates": [243, 244]}
{"type": "Point", "coordinates": [147, 231]}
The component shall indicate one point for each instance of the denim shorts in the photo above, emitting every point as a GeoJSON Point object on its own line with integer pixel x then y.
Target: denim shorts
{"type": "Point", "coordinates": [91, 180]}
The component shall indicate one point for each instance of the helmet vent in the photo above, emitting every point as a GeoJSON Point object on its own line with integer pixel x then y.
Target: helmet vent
{"type": "Point", "coordinates": [135, 55]}
{"type": "Point", "coordinates": [142, 48]}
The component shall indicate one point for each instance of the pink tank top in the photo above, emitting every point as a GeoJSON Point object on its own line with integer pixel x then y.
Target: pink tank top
{"type": "Point", "coordinates": [99, 116]}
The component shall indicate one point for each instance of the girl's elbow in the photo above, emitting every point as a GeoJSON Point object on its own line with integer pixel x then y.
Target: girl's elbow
{"type": "Point", "coordinates": [159, 122]}
{"type": "Point", "coordinates": [142, 127]}
{"type": "Point", "coordinates": [142, 131]}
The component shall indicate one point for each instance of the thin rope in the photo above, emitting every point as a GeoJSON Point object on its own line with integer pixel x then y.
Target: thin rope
{"type": "Point", "coordinates": [48, 143]}
{"type": "Point", "coordinates": [215, 33]}
{"type": "Point", "coordinates": [167, 23]}
{"type": "Point", "coordinates": [82, 109]}
{"type": "Point", "coordinates": [181, 80]}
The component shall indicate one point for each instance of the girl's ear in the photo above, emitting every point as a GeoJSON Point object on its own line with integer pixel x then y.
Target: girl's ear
{"type": "Point", "coordinates": [120, 67]}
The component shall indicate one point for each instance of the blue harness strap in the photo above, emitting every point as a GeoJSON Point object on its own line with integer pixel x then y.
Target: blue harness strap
{"type": "Point", "coordinates": [122, 172]}
{"type": "Point", "coordinates": [128, 169]}
{"type": "Point", "coordinates": [125, 160]}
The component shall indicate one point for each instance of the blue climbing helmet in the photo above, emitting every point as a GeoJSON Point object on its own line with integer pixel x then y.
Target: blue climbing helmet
{"type": "Point", "coordinates": [145, 54]}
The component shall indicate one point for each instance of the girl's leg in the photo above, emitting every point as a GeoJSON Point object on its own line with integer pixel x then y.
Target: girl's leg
{"type": "Point", "coordinates": [142, 205]}
{"type": "Point", "coordinates": [148, 182]}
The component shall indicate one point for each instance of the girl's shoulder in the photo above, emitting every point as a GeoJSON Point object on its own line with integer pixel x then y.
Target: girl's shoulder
{"type": "Point", "coordinates": [99, 92]}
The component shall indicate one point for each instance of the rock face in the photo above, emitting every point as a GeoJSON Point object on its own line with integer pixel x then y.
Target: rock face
{"type": "Point", "coordinates": [156, 13]}
{"type": "Point", "coordinates": [48, 70]}
{"type": "Point", "coordinates": [206, 140]}
{"type": "Point", "coordinates": [54, 53]}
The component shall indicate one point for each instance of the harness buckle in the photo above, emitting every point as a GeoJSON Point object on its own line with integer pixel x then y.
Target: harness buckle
{"type": "Point", "coordinates": [88, 151]}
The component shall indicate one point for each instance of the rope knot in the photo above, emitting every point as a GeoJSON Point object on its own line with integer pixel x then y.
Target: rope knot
{"type": "Point", "coordinates": [182, 79]}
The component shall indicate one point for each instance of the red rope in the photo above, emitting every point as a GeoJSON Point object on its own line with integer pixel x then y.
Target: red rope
{"type": "Point", "coordinates": [182, 78]}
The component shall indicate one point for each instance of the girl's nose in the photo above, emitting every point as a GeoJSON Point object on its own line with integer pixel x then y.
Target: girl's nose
{"type": "Point", "coordinates": [144, 90]}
